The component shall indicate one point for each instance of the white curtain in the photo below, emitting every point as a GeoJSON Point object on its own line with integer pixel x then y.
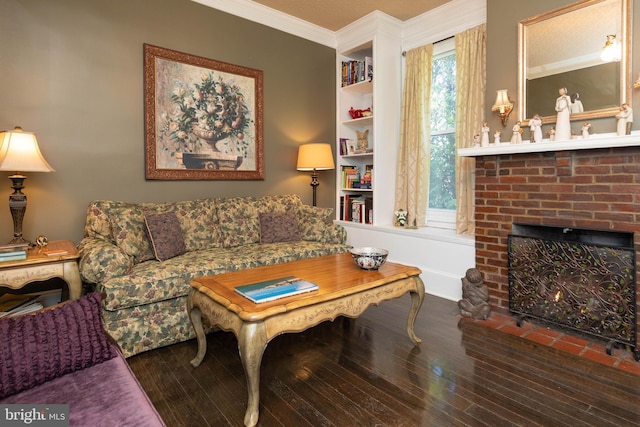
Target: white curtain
{"type": "Point", "coordinates": [470, 107]}
{"type": "Point", "coordinates": [412, 180]}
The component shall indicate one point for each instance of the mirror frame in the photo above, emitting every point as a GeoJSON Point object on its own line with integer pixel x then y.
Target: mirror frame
{"type": "Point", "coordinates": [625, 61]}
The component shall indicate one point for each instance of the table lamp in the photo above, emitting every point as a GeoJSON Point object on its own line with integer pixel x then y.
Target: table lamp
{"type": "Point", "coordinates": [19, 152]}
{"type": "Point", "coordinates": [315, 157]}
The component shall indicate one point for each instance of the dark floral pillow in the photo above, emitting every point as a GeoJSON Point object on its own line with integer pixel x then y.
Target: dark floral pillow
{"type": "Point", "coordinates": [48, 344]}
{"type": "Point", "coordinates": [165, 235]}
{"type": "Point", "coordinates": [279, 227]}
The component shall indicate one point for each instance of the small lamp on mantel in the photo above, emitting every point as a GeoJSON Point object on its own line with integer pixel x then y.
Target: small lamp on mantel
{"type": "Point", "coordinates": [315, 157]}
{"type": "Point", "coordinates": [19, 152]}
{"type": "Point", "coordinates": [503, 106]}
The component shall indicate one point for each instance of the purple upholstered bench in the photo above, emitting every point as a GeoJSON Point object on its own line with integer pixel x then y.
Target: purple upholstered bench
{"type": "Point", "coordinates": [63, 356]}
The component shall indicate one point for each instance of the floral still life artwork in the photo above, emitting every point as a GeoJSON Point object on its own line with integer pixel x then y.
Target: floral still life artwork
{"type": "Point", "coordinates": [203, 118]}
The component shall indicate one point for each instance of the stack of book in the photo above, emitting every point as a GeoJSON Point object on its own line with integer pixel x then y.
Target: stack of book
{"type": "Point", "coordinates": [12, 253]}
{"type": "Point", "coordinates": [357, 71]}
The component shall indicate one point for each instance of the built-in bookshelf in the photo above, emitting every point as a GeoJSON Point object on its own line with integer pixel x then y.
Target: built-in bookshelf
{"type": "Point", "coordinates": [368, 75]}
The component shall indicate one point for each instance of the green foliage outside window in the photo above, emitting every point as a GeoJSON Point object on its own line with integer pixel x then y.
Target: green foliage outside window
{"type": "Point", "coordinates": [442, 174]}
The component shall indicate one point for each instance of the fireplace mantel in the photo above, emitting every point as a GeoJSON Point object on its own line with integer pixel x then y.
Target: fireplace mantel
{"type": "Point", "coordinates": [594, 141]}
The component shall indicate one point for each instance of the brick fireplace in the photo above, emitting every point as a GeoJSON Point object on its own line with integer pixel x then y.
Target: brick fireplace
{"type": "Point", "coordinates": [585, 188]}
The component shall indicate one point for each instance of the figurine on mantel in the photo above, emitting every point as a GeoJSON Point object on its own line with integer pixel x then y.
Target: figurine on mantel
{"type": "Point", "coordinates": [552, 133]}
{"type": "Point", "coordinates": [563, 120]}
{"type": "Point", "coordinates": [625, 120]}
{"type": "Point", "coordinates": [476, 140]}
{"type": "Point", "coordinates": [585, 130]}
{"type": "Point", "coordinates": [496, 137]}
{"type": "Point", "coordinates": [484, 142]}
{"type": "Point", "coordinates": [535, 125]}
{"type": "Point", "coordinates": [516, 138]}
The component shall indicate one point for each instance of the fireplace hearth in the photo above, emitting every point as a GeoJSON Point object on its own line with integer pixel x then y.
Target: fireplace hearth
{"type": "Point", "coordinates": [580, 279]}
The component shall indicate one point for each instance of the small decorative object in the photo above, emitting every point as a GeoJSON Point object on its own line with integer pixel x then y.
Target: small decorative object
{"type": "Point", "coordinates": [475, 296]}
{"type": "Point", "coordinates": [485, 135]}
{"type": "Point", "coordinates": [401, 217]}
{"type": "Point", "coordinates": [363, 140]}
{"type": "Point", "coordinates": [516, 138]}
{"type": "Point", "coordinates": [369, 258]}
{"type": "Point", "coordinates": [476, 140]}
{"type": "Point", "coordinates": [585, 130]}
{"type": "Point", "coordinates": [496, 137]}
{"type": "Point", "coordinates": [552, 133]}
{"type": "Point", "coordinates": [535, 125]}
{"type": "Point", "coordinates": [625, 120]}
{"type": "Point", "coordinates": [42, 241]}
{"type": "Point", "coordinates": [358, 114]}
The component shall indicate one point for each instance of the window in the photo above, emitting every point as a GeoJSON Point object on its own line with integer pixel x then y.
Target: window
{"type": "Point", "coordinates": [442, 173]}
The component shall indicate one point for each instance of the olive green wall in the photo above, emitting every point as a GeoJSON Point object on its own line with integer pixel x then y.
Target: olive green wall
{"type": "Point", "coordinates": [72, 72]}
{"type": "Point", "coordinates": [502, 57]}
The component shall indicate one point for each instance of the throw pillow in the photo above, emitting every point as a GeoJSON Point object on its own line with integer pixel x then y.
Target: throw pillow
{"type": "Point", "coordinates": [165, 235]}
{"type": "Point", "coordinates": [279, 227]}
{"type": "Point", "coordinates": [51, 343]}
{"type": "Point", "coordinates": [128, 228]}
{"type": "Point", "coordinates": [314, 222]}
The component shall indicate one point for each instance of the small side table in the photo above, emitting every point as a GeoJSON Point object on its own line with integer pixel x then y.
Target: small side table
{"type": "Point", "coordinates": [38, 266]}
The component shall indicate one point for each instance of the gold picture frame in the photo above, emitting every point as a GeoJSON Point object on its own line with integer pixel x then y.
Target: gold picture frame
{"type": "Point", "coordinates": [203, 118]}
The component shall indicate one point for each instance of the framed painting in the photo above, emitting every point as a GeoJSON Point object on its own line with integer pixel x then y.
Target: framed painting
{"type": "Point", "coordinates": [203, 118]}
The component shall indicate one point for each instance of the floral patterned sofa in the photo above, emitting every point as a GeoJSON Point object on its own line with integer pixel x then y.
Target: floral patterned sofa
{"type": "Point", "coordinates": [145, 299]}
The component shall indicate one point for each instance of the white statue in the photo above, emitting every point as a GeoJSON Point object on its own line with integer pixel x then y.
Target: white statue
{"type": "Point", "coordinates": [484, 142]}
{"type": "Point", "coordinates": [496, 137]}
{"type": "Point", "coordinates": [585, 130]}
{"type": "Point", "coordinates": [625, 119]}
{"type": "Point", "coordinates": [516, 138]}
{"type": "Point", "coordinates": [476, 140]}
{"type": "Point", "coordinates": [535, 124]}
{"type": "Point", "coordinates": [563, 121]}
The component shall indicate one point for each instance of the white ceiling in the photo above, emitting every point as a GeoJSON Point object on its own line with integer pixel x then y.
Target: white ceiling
{"type": "Point", "coordinates": [336, 14]}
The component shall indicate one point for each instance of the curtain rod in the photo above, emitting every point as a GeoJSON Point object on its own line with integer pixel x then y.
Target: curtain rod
{"type": "Point", "coordinates": [404, 52]}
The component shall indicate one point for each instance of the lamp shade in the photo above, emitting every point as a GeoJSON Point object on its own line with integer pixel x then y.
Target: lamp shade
{"type": "Point", "coordinates": [316, 156]}
{"type": "Point", "coordinates": [19, 152]}
{"type": "Point", "coordinates": [502, 101]}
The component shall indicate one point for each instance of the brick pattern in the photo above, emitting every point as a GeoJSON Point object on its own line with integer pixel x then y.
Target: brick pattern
{"type": "Point", "coordinates": [596, 189]}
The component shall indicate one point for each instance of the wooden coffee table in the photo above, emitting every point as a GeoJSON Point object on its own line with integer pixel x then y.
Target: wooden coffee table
{"type": "Point", "coordinates": [345, 290]}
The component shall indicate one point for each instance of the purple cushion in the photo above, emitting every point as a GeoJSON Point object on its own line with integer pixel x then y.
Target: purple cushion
{"type": "Point", "coordinates": [165, 235]}
{"type": "Point", "coordinates": [106, 394]}
{"type": "Point", "coordinates": [279, 227]}
{"type": "Point", "coordinates": [51, 343]}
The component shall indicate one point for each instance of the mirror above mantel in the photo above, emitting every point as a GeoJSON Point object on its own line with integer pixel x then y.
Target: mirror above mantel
{"type": "Point", "coordinates": [562, 48]}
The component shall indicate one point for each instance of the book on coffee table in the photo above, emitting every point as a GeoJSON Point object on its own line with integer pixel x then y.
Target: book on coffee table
{"type": "Point", "coordinates": [270, 290]}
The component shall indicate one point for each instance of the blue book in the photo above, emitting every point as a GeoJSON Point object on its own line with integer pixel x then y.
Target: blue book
{"type": "Point", "coordinates": [270, 290]}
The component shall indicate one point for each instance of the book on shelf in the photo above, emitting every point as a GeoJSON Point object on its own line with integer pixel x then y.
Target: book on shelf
{"type": "Point", "coordinates": [270, 290]}
{"type": "Point", "coordinates": [357, 71]}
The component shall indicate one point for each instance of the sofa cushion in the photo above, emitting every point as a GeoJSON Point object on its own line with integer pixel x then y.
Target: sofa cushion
{"type": "Point", "coordinates": [239, 217]}
{"type": "Point", "coordinates": [314, 222]}
{"type": "Point", "coordinates": [106, 394]}
{"type": "Point", "coordinates": [129, 231]}
{"type": "Point", "coordinates": [198, 222]}
{"type": "Point", "coordinates": [279, 227]}
{"type": "Point", "coordinates": [165, 234]}
{"type": "Point", "coordinates": [51, 343]}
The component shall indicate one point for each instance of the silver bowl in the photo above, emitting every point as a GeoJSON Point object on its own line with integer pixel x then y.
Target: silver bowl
{"type": "Point", "coordinates": [369, 258]}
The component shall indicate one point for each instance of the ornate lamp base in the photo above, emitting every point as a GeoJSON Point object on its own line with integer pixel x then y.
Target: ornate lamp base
{"type": "Point", "coordinates": [17, 205]}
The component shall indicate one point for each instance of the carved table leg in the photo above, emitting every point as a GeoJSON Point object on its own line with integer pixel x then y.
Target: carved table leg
{"type": "Point", "coordinates": [251, 343]}
{"type": "Point", "coordinates": [196, 321]}
{"type": "Point", "coordinates": [72, 277]}
{"type": "Point", "coordinates": [417, 298]}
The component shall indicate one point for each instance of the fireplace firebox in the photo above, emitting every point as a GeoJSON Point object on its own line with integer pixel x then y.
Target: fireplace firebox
{"type": "Point", "coordinates": [580, 279]}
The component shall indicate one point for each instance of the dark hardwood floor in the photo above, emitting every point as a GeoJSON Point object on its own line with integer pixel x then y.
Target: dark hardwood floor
{"type": "Point", "coordinates": [366, 372]}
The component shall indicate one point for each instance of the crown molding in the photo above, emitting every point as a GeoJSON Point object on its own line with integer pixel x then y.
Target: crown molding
{"type": "Point", "coordinates": [261, 14]}
{"type": "Point", "coordinates": [361, 31]}
{"type": "Point", "coordinates": [444, 21]}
